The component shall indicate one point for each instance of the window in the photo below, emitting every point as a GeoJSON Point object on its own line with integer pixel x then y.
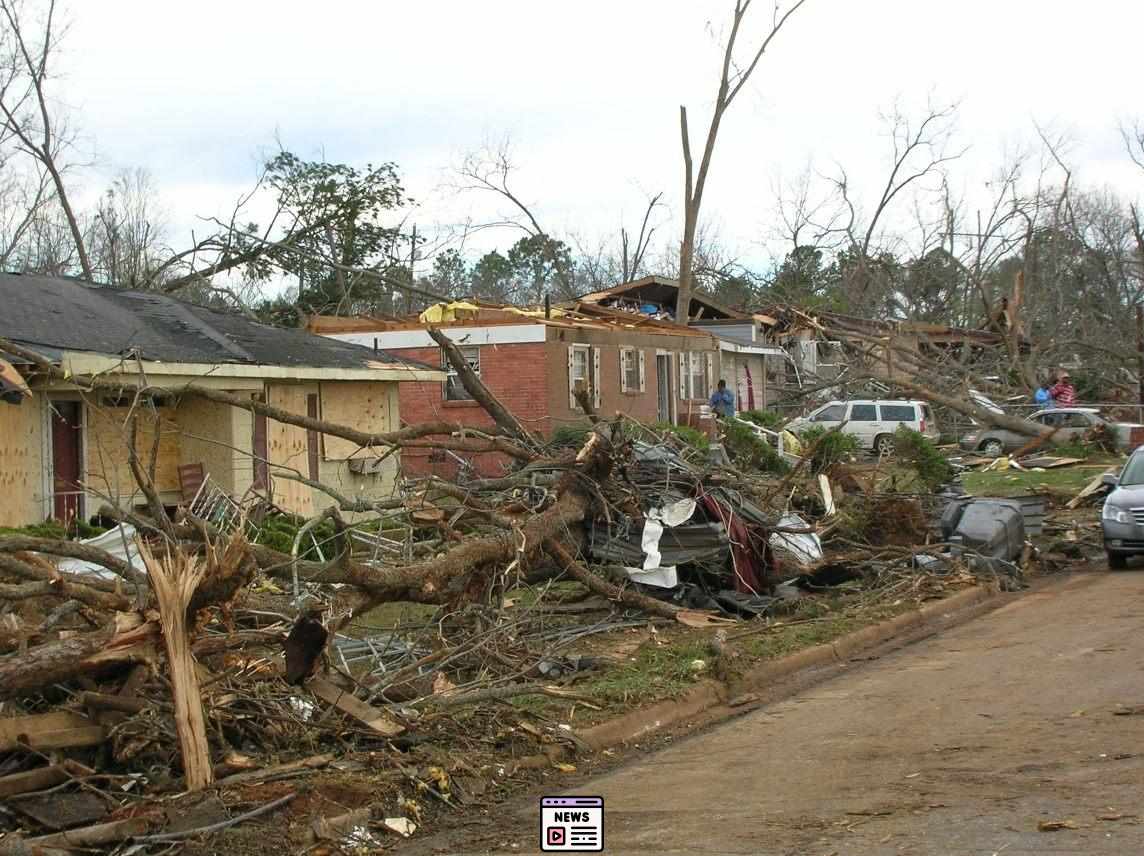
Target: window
{"type": "Point", "coordinates": [898, 413]}
{"type": "Point", "coordinates": [583, 374]}
{"type": "Point", "coordinates": [863, 413]}
{"type": "Point", "coordinates": [1050, 419]}
{"type": "Point", "coordinates": [833, 413]}
{"type": "Point", "coordinates": [631, 370]}
{"type": "Point", "coordinates": [1076, 420]}
{"type": "Point", "coordinates": [695, 375]}
{"type": "Point", "coordinates": [454, 389]}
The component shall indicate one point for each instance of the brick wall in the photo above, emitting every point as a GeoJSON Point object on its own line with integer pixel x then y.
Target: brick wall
{"type": "Point", "coordinates": [516, 374]}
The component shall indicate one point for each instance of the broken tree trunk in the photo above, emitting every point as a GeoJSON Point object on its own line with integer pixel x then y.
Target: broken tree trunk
{"type": "Point", "coordinates": [599, 585]}
{"type": "Point", "coordinates": [174, 581]}
{"type": "Point", "coordinates": [88, 654]}
{"type": "Point", "coordinates": [988, 417]}
{"type": "Point", "coordinates": [476, 388]}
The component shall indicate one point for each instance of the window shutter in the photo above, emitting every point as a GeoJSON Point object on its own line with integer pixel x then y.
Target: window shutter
{"type": "Point", "coordinates": [596, 378]}
{"type": "Point", "coordinates": [643, 380]}
{"type": "Point", "coordinates": [624, 370]}
{"type": "Point", "coordinates": [571, 380]}
{"type": "Point", "coordinates": [683, 375]}
{"type": "Point", "coordinates": [710, 374]}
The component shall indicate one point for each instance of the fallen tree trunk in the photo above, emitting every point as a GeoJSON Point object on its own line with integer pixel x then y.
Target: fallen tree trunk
{"type": "Point", "coordinates": [599, 585]}
{"type": "Point", "coordinates": [980, 414]}
{"type": "Point", "coordinates": [88, 654]}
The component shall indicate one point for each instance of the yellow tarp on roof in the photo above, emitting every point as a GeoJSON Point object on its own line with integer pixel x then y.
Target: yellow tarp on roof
{"type": "Point", "coordinates": [440, 313]}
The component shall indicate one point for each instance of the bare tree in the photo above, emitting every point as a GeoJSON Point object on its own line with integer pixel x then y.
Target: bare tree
{"type": "Point", "coordinates": [26, 48]}
{"type": "Point", "coordinates": [732, 79]}
{"type": "Point", "coordinates": [127, 234]}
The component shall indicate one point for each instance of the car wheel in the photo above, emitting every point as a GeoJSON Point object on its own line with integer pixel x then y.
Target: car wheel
{"type": "Point", "coordinates": [884, 445]}
{"type": "Point", "coordinates": [1117, 561]}
{"type": "Point", "coordinates": [993, 448]}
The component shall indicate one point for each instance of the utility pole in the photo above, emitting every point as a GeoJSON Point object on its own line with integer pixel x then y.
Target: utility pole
{"type": "Point", "coordinates": [1140, 351]}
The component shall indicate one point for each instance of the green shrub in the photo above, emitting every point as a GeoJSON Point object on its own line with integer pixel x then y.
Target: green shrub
{"type": "Point", "coordinates": [55, 530]}
{"type": "Point", "coordinates": [749, 451]}
{"type": "Point", "coordinates": [915, 450]}
{"type": "Point", "coordinates": [828, 448]}
{"type": "Point", "coordinates": [570, 436]}
{"type": "Point", "coordinates": [686, 433]}
{"type": "Point", "coordinates": [766, 418]}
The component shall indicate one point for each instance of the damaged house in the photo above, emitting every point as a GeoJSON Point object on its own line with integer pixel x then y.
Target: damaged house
{"type": "Point", "coordinates": [535, 361]}
{"type": "Point", "coordinates": [64, 452]}
{"type": "Point", "coordinates": [755, 370]}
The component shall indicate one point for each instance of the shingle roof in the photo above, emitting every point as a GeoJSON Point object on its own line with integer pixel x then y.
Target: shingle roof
{"type": "Point", "coordinates": [53, 314]}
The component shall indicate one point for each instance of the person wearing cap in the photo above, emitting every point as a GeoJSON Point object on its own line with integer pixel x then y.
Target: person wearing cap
{"type": "Point", "coordinates": [1063, 392]}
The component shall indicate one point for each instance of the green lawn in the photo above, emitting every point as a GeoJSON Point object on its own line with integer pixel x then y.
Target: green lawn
{"type": "Point", "coordinates": [1066, 481]}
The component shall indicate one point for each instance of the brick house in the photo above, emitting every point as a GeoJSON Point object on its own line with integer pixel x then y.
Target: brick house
{"type": "Point", "coordinates": [649, 369]}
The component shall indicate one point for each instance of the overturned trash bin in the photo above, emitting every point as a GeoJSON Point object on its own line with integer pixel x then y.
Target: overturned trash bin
{"type": "Point", "coordinates": [989, 529]}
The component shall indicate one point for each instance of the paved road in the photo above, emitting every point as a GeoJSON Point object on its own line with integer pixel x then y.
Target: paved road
{"type": "Point", "coordinates": [961, 744]}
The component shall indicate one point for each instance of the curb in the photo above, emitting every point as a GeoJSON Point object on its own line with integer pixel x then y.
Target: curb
{"type": "Point", "coordinates": [710, 694]}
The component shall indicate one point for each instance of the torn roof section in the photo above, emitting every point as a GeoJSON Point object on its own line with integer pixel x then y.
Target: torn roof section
{"type": "Point", "coordinates": [55, 315]}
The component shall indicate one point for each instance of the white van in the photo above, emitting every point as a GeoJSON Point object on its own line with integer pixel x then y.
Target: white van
{"type": "Point", "coordinates": [872, 421]}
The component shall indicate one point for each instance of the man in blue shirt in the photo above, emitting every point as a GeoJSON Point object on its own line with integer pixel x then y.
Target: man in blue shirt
{"type": "Point", "coordinates": [723, 400]}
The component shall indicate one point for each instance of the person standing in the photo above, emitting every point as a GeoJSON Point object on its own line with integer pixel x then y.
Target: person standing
{"type": "Point", "coordinates": [723, 401]}
{"type": "Point", "coordinates": [1063, 392]}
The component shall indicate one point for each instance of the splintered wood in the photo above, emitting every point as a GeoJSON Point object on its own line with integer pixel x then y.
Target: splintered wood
{"type": "Point", "coordinates": [174, 580]}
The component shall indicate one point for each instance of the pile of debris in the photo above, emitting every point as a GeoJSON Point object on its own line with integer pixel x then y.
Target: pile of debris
{"type": "Point", "coordinates": [181, 656]}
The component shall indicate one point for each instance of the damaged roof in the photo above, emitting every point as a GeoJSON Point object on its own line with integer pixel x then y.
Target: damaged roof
{"type": "Point", "coordinates": [54, 314]}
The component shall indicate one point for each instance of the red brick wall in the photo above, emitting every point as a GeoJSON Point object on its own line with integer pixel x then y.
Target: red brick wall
{"type": "Point", "coordinates": [516, 374]}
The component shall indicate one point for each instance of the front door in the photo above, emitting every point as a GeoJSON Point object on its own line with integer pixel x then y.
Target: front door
{"type": "Point", "coordinates": [663, 385]}
{"type": "Point", "coordinates": [67, 461]}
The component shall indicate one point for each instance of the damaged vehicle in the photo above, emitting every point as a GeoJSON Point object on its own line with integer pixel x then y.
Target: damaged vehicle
{"type": "Point", "coordinates": [1069, 423]}
{"type": "Point", "coordinates": [1122, 518]}
{"type": "Point", "coordinates": [873, 422]}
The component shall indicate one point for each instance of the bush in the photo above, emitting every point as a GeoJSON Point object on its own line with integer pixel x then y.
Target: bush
{"type": "Point", "coordinates": [828, 447]}
{"type": "Point", "coordinates": [916, 451]}
{"type": "Point", "coordinates": [766, 418]}
{"type": "Point", "coordinates": [687, 434]}
{"type": "Point", "coordinates": [55, 530]}
{"type": "Point", "coordinates": [749, 451]}
{"type": "Point", "coordinates": [571, 436]}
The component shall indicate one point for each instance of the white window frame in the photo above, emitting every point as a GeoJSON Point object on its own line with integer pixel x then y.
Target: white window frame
{"type": "Point", "coordinates": [632, 358]}
{"type": "Point", "coordinates": [690, 363]}
{"type": "Point", "coordinates": [454, 378]}
{"type": "Point", "coordinates": [592, 374]}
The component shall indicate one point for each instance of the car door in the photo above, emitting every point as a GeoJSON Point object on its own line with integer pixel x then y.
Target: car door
{"type": "Point", "coordinates": [828, 417]}
{"type": "Point", "coordinates": [864, 423]}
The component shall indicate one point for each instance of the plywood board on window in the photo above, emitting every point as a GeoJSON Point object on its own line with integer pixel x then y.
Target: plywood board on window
{"type": "Point", "coordinates": [286, 446]}
{"type": "Point", "coordinates": [366, 406]}
{"type": "Point", "coordinates": [107, 464]}
{"type": "Point", "coordinates": [21, 464]}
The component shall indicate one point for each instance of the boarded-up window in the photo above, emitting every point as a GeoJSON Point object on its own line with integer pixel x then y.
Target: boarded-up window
{"type": "Point", "coordinates": [632, 370]}
{"type": "Point", "coordinates": [454, 389]}
{"type": "Point", "coordinates": [313, 438]}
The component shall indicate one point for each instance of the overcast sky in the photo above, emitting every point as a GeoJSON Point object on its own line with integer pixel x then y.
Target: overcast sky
{"type": "Point", "coordinates": [588, 92]}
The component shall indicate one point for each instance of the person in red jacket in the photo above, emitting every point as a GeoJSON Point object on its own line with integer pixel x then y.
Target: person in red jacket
{"type": "Point", "coordinates": [1063, 392]}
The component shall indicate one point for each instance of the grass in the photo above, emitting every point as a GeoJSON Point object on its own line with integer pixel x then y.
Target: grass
{"type": "Point", "coordinates": [1066, 481]}
{"type": "Point", "coordinates": [656, 672]}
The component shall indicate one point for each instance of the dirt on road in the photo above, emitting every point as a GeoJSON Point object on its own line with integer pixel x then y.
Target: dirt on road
{"type": "Point", "coordinates": [1021, 732]}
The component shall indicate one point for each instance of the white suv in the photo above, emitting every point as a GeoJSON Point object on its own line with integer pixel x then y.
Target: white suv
{"type": "Point", "coordinates": [872, 421]}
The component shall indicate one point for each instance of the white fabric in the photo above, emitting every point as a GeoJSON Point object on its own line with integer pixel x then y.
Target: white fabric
{"type": "Point", "coordinates": [119, 542]}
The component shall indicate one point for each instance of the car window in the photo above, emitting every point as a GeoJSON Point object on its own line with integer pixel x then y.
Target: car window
{"type": "Point", "coordinates": [1050, 419]}
{"type": "Point", "coordinates": [833, 413]}
{"type": "Point", "coordinates": [898, 413]}
{"type": "Point", "coordinates": [1076, 420]}
{"type": "Point", "coordinates": [863, 413]}
{"type": "Point", "coordinates": [927, 414]}
{"type": "Point", "coordinates": [1133, 471]}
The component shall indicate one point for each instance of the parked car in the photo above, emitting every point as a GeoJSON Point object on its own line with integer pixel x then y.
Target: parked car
{"type": "Point", "coordinates": [872, 421]}
{"type": "Point", "coordinates": [1072, 423]}
{"type": "Point", "coordinates": [1122, 517]}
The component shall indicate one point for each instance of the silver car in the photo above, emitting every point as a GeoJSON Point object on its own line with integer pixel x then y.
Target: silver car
{"type": "Point", "coordinates": [1122, 517]}
{"type": "Point", "coordinates": [1071, 423]}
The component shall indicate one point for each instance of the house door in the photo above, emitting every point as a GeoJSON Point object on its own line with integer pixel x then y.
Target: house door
{"type": "Point", "coordinates": [663, 385]}
{"type": "Point", "coordinates": [67, 461]}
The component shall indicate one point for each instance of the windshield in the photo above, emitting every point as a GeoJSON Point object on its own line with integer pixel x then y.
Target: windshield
{"type": "Point", "coordinates": [1133, 471]}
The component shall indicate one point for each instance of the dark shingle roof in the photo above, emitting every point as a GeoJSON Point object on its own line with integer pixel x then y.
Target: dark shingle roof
{"type": "Point", "coordinates": [53, 314]}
